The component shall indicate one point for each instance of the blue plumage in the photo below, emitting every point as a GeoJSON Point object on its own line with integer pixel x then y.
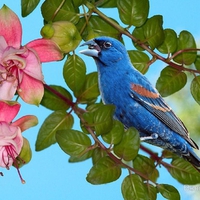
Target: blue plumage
{"type": "Point", "coordinates": [138, 103]}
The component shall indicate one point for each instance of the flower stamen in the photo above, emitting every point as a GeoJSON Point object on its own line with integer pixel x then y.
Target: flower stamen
{"type": "Point", "coordinates": [12, 155]}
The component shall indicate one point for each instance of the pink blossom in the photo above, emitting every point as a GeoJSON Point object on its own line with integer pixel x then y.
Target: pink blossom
{"type": "Point", "coordinates": [20, 66]}
{"type": "Point", "coordinates": [11, 140]}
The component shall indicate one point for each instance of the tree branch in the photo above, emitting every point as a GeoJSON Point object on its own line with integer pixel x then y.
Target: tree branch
{"type": "Point", "coordinates": [144, 46]}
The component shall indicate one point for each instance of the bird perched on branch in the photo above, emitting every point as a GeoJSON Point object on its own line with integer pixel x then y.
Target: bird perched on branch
{"type": "Point", "coordinates": [138, 104]}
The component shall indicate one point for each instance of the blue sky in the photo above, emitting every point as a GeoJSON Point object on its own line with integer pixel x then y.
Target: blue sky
{"type": "Point", "coordinates": [49, 176]}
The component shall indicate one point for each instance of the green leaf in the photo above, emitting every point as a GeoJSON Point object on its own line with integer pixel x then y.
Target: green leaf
{"type": "Point", "coordinates": [184, 172]}
{"type": "Point", "coordinates": [97, 27]}
{"type": "Point", "coordinates": [58, 120]}
{"type": "Point", "coordinates": [139, 60]}
{"type": "Point", "coordinates": [170, 81]}
{"type": "Point", "coordinates": [90, 89]}
{"type": "Point", "coordinates": [101, 118]}
{"type": "Point", "coordinates": [197, 62]}
{"type": "Point", "coordinates": [28, 6]}
{"type": "Point", "coordinates": [116, 133]}
{"type": "Point", "coordinates": [68, 12]}
{"type": "Point", "coordinates": [195, 89]}
{"type": "Point", "coordinates": [98, 153]}
{"type": "Point", "coordinates": [133, 12]}
{"type": "Point", "coordinates": [185, 41]}
{"type": "Point", "coordinates": [170, 43]}
{"type": "Point", "coordinates": [146, 166]}
{"type": "Point", "coordinates": [74, 73]}
{"type": "Point", "coordinates": [168, 191]}
{"type": "Point", "coordinates": [104, 171]}
{"type": "Point", "coordinates": [138, 33]}
{"type": "Point", "coordinates": [151, 33]}
{"type": "Point", "coordinates": [73, 142]}
{"type": "Point", "coordinates": [134, 188]}
{"type": "Point", "coordinates": [151, 191]}
{"type": "Point", "coordinates": [52, 101]}
{"type": "Point", "coordinates": [77, 3]}
{"type": "Point", "coordinates": [168, 154]}
{"type": "Point", "coordinates": [81, 158]}
{"type": "Point", "coordinates": [106, 3]}
{"type": "Point", "coordinates": [128, 148]}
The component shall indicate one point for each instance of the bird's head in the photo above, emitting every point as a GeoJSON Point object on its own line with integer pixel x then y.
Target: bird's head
{"type": "Point", "coordinates": [105, 50]}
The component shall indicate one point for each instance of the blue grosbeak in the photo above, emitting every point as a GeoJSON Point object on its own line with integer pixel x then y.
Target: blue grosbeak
{"type": "Point", "coordinates": [138, 104]}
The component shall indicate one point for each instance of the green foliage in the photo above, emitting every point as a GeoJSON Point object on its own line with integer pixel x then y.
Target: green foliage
{"type": "Point", "coordinates": [184, 172]}
{"type": "Point", "coordinates": [185, 41]}
{"type": "Point", "coordinates": [134, 188]}
{"type": "Point", "coordinates": [146, 166]}
{"type": "Point", "coordinates": [100, 118]}
{"type": "Point", "coordinates": [58, 120]}
{"type": "Point", "coordinates": [133, 12]}
{"type": "Point", "coordinates": [106, 3]}
{"type": "Point", "coordinates": [195, 89]}
{"type": "Point", "coordinates": [103, 139]}
{"type": "Point", "coordinates": [115, 135]}
{"type": "Point", "coordinates": [128, 147]}
{"type": "Point", "coordinates": [168, 191]}
{"type": "Point", "coordinates": [104, 171]}
{"type": "Point", "coordinates": [68, 11]}
{"type": "Point", "coordinates": [151, 32]}
{"type": "Point", "coordinates": [73, 142]}
{"type": "Point", "coordinates": [56, 100]}
{"type": "Point", "coordinates": [96, 27]}
{"type": "Point", "coordinates": [170, 81]}
{"type": "Point", "coordinates": [28, 6]}
{"type": "Point", "coordinates": [74, 73]}
{"type": "Point", "coordinates": [139, 60]}
{"type": "Point", "coordinates": [90, 90]}
{"type": "Point", "coordinates": [197, 62]}
{"type": "Point", "coordinates": [170, 42]}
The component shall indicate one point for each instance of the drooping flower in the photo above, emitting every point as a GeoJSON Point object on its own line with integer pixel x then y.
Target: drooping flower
{"type": "Point", "coordinates": [11, 139]}
{"type": "Point", "coordinates": [20, 66]}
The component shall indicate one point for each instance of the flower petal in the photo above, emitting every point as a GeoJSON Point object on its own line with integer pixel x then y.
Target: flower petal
{"type": "Point", "coordinates": [3, 45]}
{"type": "Point", "coordinates": [46, 49]}
{"type": "Point", "coordinates": [31, 90]}
{"type": "Point", "coordinates": [8, 89]}
{"type": "Point", "coordinates": [10, 27]}
{"type": "Point", "coordinates": [11, 142]}
{"type": "Point", "coordinates": [33, 66]}
{"type": "Point", "coordinates": [8, 110]}
{"type": "Point", "coordinates": [26, 122]}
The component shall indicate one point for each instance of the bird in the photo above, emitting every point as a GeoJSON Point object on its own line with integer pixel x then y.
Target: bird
{"type": "Point", "coordinates": [137, 103]}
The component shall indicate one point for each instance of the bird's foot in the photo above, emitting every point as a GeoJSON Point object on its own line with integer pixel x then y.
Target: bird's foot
{"type": "Point", "coordinates": [151, 137]}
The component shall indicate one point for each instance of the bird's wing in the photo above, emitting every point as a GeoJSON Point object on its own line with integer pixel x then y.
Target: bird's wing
{"type": "Point", "coordinates": [154, 103]}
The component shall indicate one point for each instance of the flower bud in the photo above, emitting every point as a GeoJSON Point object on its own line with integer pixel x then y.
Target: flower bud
{"type": "Point", "coordinates": [63, 33]}
{"type": "Point", "coordinates": [47, 31]}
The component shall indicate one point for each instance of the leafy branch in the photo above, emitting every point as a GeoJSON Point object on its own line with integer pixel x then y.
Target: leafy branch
{"type": "Point", "coordinates": [102, 138]}
{"type": "Point", "coordinates": [92, 8]}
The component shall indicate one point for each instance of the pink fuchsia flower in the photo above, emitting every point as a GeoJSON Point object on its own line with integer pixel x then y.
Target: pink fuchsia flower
{"type": "Point", "coordinates": [20, 66]}
{"type": "Point", "coordinates": [11, 140]}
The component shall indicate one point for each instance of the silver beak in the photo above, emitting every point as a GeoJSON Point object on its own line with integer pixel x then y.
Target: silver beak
{"type": "Point", "coordinates": [93, 49]}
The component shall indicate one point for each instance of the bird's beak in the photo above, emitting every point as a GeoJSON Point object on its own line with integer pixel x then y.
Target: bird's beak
{"type": "Point", "coordinates": [93, 49]}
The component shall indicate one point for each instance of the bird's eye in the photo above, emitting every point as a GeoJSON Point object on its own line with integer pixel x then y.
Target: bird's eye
{"type": "Point", "coordinates": [107, 45]}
